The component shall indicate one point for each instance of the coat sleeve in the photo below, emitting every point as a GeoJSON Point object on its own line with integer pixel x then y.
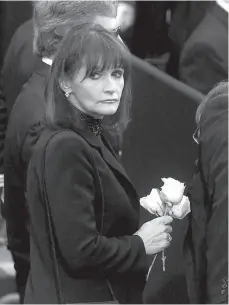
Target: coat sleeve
{"type": "Point", "coordinates": [71, 192]}
{"type": "Point", "coordinates": [215, 152]}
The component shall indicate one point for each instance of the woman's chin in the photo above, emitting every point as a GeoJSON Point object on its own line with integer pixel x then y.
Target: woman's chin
{"type": "Point", "coordinates": [108, 110]}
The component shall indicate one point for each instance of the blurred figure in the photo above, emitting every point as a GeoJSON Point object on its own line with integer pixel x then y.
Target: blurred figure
{"type": "Point", "coordinates": [206, 244]}
{"type": "Point", "coordinates": [126, 19]}
{"type": "Point", "coordinates": [18, 65]}
{"type": "Point", "coordinates": [52, 19]}
{"type": "Point", "coordinates": [185, 17]}
{"type": "Point", "coordinates": [150, 33]}
{"type": "Point", "coordinates": [204, 57]}
{"type": "Point", "coordinates": [84, 211]}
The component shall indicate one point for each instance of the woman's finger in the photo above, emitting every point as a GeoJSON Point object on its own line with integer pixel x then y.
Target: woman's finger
{"type": "Point", "coordinates": [168, 229]}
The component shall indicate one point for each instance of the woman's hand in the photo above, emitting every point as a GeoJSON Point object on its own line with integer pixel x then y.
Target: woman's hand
{"type": "Point", "coordinates": [155, 234]}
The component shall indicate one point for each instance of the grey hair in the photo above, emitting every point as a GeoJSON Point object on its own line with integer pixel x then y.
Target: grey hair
{"type": "Point", "coordinates": [49, 15]}
{"type": "Point", "coordinates": [221, 89]}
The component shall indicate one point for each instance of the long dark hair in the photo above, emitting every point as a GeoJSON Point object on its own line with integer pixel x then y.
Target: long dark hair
{"type": "Point", "coordinates": [97, 49]}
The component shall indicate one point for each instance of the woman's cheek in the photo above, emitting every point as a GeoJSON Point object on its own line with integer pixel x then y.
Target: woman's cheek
{"type": "Point", "coordinates": [121, 84]}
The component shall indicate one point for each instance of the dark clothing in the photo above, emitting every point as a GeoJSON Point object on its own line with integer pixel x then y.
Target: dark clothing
{"type": "Point", "coordinates": [186, 16]}
{"type": "Point", "coordinates": [150, 32]}
{"type": "Point", "coordinates": [206, 247]}
{"type": "Point", "coordinates": [19, 64]}
{"type": "Point", "coordinates": [3, 124]}
{"type": "Point", "coordinates": [22, 133]}
{"type": "Point", "coordinates": [204, 57]}
{"type": "Point", "coordinates": [85, 257]}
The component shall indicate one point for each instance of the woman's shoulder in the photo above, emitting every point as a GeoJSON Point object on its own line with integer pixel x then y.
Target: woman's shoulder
{"type": "Point", "coordinates": [59, 149]}
{"type": "Point", "coordinates": [61, 141]}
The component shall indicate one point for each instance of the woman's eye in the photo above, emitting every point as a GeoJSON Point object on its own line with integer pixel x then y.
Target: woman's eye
{"type": "Point", "coordinates": [118, 73]}
{"type": "Point", "coordinates": [95, 75]}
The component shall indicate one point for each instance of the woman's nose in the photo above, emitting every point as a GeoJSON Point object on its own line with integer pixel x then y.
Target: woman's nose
{"type": "Point", "coordinates": [110, 85]}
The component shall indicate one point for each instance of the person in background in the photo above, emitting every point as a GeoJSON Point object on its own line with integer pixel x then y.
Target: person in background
{"type": "Point", "coordinates": [126, 14]}
{"type": "Point", "coordinates": [52, 19]}
{"type": "Point", "coordinates": [150, 32]}
{"type": "Point", "coordinates": [18, 65]}
{"type": "Point", "coordinates": [77, 184]}
{"type": "Point", "coordinates": [204, 56]}
{"type": "Point", "coordinates": [206, 244]}
{"type": "Point", "coordinates": [185, 17]}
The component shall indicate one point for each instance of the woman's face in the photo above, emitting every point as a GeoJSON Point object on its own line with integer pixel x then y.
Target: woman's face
{"type": "Point", "coordinates": [99, 94]}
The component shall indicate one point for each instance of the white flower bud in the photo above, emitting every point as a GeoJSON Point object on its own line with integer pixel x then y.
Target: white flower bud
{"type": "Point", "coordinates": [172, 190]}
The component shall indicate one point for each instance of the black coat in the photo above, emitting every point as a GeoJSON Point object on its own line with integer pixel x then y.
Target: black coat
{"type": "Point", "coordinates": [85, 258]}
{"type": "Point", "coordinates": [206, 247]}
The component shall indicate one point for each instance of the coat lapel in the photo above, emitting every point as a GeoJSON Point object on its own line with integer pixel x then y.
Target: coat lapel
{"type": "Point", "coordinates": [107, 153]}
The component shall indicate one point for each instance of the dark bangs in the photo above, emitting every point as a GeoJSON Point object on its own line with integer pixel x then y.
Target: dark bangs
{"type": "Point", "coordinates": [103, 52]}
{"type": "Point", "coordinates": [99, 51]}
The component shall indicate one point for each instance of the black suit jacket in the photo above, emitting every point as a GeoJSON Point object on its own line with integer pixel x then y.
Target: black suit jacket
{"type": "Point", "coordinates": [206, 248]}
{"type": "Point", "coordinates": [85, 257]}
{"type": "Point", "coordinates": [204, 57]}
{"type": "Point", "coordinates": [23, 130]}
{"type": "Point", "coordinates": [19, 64]}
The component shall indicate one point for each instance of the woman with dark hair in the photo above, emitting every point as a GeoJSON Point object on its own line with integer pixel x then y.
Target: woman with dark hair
{"type": "Point", "coordinates": [84, 211]}
{"type": "Point", "coordinates": [51, 21]}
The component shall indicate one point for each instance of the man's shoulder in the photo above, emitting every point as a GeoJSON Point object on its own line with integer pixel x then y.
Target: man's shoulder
{"type": "Point", "coordinates": [29, 107]}
{"type": "Point", "coordinates": [22, 36]}
{"type": "Point", "coordinates": [31, 96]}
{"type": "Point", "coordinates": [24, 31]}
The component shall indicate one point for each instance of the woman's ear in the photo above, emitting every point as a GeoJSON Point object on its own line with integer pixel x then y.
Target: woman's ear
{"type": "Point", "coordinates": [65, 86]}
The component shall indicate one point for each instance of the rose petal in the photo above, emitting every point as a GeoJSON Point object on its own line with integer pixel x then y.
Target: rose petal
{"type": "Point", "coordinates": [182, 209]}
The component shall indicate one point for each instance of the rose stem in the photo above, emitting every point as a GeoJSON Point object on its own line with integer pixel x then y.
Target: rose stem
{"type": "Point", "coordinates": [163, 257]}
{"type": "Point", "coordinates": [151, 266]}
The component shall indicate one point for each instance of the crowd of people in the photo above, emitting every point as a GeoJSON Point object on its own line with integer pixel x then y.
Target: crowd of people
{"type": "Point", "coordinates": [71, 211]}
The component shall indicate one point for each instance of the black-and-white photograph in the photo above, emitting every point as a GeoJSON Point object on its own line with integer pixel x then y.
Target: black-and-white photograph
{"type": "Point", "coordinates": [114, 152]}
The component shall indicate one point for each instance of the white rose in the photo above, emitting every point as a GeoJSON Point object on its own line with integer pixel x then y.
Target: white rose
{"type": "Point", "coordinates": [172, 190]}
{"type": "Point", "coordinates": [152, 203]}
{"type": "Point", "coordinates": [180, 210]}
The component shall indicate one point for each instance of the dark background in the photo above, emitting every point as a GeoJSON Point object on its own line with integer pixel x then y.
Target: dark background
{"type": "Point", "coordinates": [158, 143]}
